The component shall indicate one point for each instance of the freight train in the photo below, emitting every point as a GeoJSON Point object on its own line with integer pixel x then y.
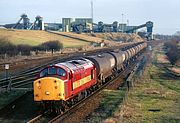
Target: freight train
{"type": "Point", "coordinates": [61, 85]}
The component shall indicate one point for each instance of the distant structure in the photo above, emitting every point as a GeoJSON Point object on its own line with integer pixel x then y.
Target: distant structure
{"type": "Point", "coordinates": [53, 26]}
{"type": "Point", "coordinates": [25, 23]}
{"type": "Point", "coordinates": [82, 25]}
{"type": "Point", "coordinates": [122, 27]}
{"type": "Point", "coordinates": [86, 25]}
{"type": "Point", "coordinates": [38, 23]}
{"type": "Point", "coordinates": [148, 25]}
{"type": "Point", "coordinates": [101, 27]}
{"type": "Point", "coordinates": [66, 24]}
{"type": "Point", "coordinates": [92, 12]}
{"type": "Point", "coordinates": [79, 25]}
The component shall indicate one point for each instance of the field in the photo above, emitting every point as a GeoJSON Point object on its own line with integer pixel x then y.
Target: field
{"type": "Point", "coordinates": [35, 37]}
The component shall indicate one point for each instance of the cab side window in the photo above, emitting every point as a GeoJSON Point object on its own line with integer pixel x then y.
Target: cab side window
{"type": "Point", "coordinates": [44, 72]}
{"type": "Point", "coordinates": [61, 72]}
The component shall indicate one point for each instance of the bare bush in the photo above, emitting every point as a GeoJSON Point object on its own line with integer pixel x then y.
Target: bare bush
{"type": "Point", "coordinates": [50, 46]}
{"type": "Point", "coordinates": [173, 52]}
{"type": "Point", "coordinates": [6, 47]}
{"type": "Point", "coordinates": [24, 49]}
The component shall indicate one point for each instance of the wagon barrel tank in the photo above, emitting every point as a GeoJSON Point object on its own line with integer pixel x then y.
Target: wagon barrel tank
{"type": "Point", "coordinates": [104, 63]}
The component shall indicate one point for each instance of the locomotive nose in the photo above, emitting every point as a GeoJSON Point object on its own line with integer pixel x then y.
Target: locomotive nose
{"type": "Point", "coordinates": [48, 88]}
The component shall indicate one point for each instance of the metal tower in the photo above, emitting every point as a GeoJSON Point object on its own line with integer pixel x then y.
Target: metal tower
{"type": "Point", "coordinates": [38, 23]}
{"type": "Point", "coordinates": [25, 23]}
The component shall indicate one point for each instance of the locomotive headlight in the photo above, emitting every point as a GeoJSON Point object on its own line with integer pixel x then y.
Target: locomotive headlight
{"type": "Point", "coordinates": [57, 83]}
{"type": "Point", "coordinates": [47, 92]}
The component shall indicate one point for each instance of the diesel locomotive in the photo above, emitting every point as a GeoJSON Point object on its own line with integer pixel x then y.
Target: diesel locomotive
{"type": "Point", "coordinates": [63, 84]}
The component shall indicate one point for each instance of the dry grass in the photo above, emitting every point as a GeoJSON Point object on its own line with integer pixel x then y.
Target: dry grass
{"type": "Point", "coordinates": [119, 37]}
{"type": "Point", "coordinates": [88, 37]}
{"type": "Point", "coordinates": [82, 36]}
{"type": "Point", "coordinates": [35, 37]}
{"type": "Point", "coordinates": [162, 58]}
{"type": "Point", "coordinates": [175, 70]}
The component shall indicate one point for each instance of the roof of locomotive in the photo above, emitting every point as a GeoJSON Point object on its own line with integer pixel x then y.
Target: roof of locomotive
{"type": "Point", "coordinates": [75, 64]}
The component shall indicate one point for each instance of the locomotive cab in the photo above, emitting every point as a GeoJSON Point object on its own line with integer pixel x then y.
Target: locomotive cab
{"type": "Point", "coordinates": [64, 81]}
{"type": "Point", "coordinates": [50, 84]}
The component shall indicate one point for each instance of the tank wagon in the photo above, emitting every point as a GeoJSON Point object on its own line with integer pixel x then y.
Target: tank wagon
{"type": "Point", "coordinates": [65, 83]}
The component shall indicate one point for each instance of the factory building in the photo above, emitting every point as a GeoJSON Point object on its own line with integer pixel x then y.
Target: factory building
{"type": "Point", "coordinates": [122, 27]}
{"type": "Point", "coordinates": [79, 25]}
{"type": "Point", "coordinates": [66, 24]}
{"type": "Point", "coordinates": [86, 24]}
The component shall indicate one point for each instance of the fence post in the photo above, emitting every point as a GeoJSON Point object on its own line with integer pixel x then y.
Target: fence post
{"type": "Point", "coordinates": [6, 66]}
{"type": "Point", "coordinates": [9, 84]}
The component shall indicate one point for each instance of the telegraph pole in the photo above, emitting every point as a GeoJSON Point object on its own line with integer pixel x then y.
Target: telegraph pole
{"type": "Point", "coordinates": [127, 22]}
{"type": "Point", "coordinates": [92, 14]}
{"type": "Point", "coordinates": [122, 17]}
{"type": "Point", "coordinates": [122, 23]}
{"type": "Point", "coordinates": [92, 11]}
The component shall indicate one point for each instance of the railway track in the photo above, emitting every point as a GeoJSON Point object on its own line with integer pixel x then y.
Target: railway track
{"type": "Point", "coordinates": [59, 118]}
{"type": "Point", "coordinates": [27, 77]}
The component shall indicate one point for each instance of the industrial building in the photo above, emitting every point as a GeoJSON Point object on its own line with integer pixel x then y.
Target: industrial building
{"type": "Point", "coordinates": [80, 25]}
{"type": "Point", "coordinates": [38, 24]}
{"type": "Point", "coordinates": [122, 27]}
{"type": "Point", "coordinates": [66, 24]}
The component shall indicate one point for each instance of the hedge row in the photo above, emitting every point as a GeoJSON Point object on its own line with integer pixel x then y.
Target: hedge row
{"type": "Point", "coordinates": [6, 47]}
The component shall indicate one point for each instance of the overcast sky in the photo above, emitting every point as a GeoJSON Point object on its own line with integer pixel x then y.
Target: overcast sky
{"type": "Point", "coordinates": [164, 13]}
